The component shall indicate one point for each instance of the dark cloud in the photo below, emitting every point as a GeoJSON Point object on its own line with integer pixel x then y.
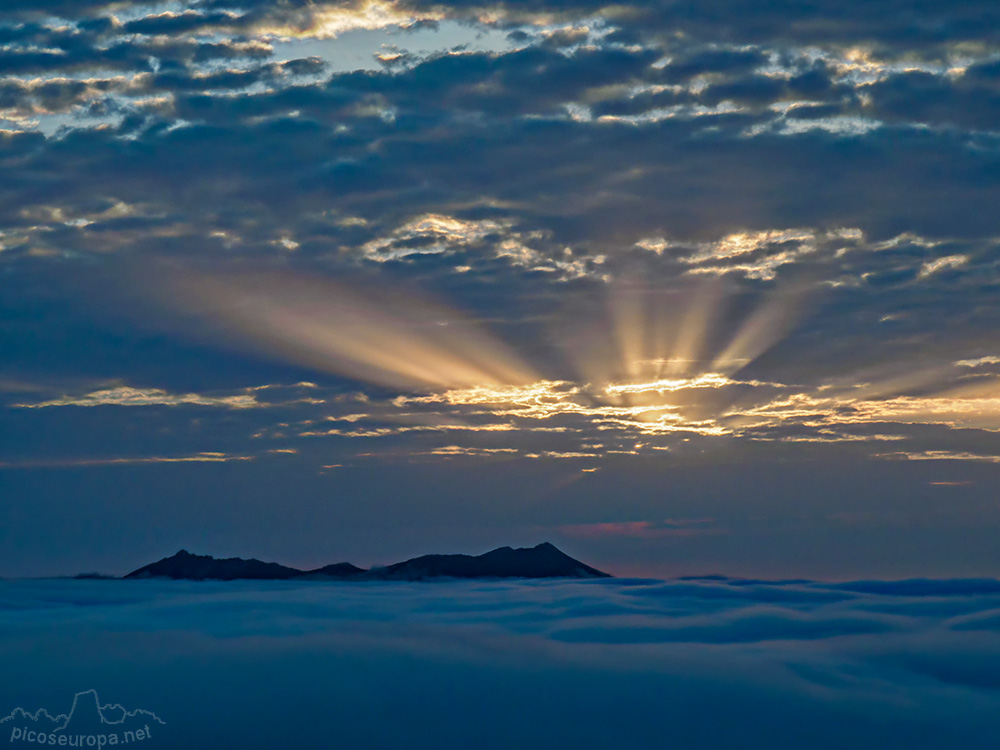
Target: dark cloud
{"type": "Point", "coordinates": [712, 60]}
{"type": "Point", "coordinates": [927, 24]}
{"type": "Point", "coordinates": [179, 23]}
{"type": "Point", "coordinates": [809, 85]}
{"type": "Point", "coordinates": [966, 102]}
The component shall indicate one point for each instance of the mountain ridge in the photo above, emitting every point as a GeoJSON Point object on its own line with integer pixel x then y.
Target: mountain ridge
{"type": "Point", "coordinates": [544, 560]}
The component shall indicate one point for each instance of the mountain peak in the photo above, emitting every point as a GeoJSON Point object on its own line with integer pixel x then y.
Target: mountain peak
{"type": "Point", "coordinates": [187, 566]}
{"type": "Point", "coordinates": [544, 560]}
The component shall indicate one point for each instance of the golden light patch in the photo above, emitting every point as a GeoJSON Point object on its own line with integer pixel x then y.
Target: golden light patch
{"type": "Point", "coordinates": [328, 22]}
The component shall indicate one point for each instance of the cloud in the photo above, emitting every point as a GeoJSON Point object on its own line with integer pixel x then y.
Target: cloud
{"type": "Point", "coordinates": [939, 455]}
{"type": "Point", "coordinates": [951, 261]}
{"type": "Point", "coordinates": [58, 463]}
{"type": "Point", "coordinates": [457, 450]}
{"type": "Point", "coordinates": [129, 396]}
{"type": "Point", "coordinates": [795, 661]}
{"type": "Point", "coordinates": [980, 361]}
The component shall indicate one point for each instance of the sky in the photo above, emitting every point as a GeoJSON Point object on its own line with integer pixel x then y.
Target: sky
{"type": "Point", "coordinates": [683, 287]}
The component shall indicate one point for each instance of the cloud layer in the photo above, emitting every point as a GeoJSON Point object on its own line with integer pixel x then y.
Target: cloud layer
{"type": "Point", "coordinates": [692, 663]}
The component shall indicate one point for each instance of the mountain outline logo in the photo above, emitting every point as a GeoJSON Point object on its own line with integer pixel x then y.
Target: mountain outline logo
{"type": "Point", "coordinates": [86, 724]}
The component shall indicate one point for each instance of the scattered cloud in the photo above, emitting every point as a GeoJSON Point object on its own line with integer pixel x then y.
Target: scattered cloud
{"type": "Point", "coordinates": [69, 463]}
{"type": "Point", "coordinates": [939, 456]}
{"type": "Point", "coordinates": [934, 266]}
{"type": "Point", "coordinates": [129, 396]}
{"type": "Point", "coordinates": [979, 362]}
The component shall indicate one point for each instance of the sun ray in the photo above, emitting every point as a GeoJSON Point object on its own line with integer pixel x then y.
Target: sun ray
{"type": "Point", "coordinates": [371, 334]}
{"type": "Point", "coordinates": [764, 328]}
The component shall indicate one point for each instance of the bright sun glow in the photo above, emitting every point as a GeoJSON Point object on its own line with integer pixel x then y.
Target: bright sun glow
{"type": "Point", "coordinates": [328, 23]}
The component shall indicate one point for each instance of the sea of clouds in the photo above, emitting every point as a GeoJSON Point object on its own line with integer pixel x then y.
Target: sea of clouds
{"type": "Point", "coordinates": [625, 663]}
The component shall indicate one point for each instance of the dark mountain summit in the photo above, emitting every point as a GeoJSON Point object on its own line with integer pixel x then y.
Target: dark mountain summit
{"type": "Point", "coordinates": [336, 570]}
{"type": "Point", "coordinates": [186, 566]}
{"type": "Point", "coordinates": [541, 561]}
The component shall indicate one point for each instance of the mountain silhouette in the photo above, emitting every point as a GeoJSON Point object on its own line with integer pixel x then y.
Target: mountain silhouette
{"type": "Point", "coordinates": [542, 561]}
{"type": "Point", "coordinates": [336, 570]}
{"type": "Point", "coordinates": [185, 566]}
